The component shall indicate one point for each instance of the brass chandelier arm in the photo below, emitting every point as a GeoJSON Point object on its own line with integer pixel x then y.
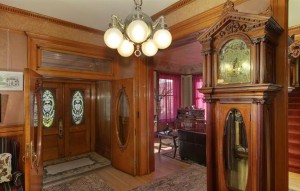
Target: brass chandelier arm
{"type": "Point", "coordinates": [116, 23]}
{"type": "Point", "coordinates": [138, 4]}
{"type": "Point", "coordinates": [159, 23]}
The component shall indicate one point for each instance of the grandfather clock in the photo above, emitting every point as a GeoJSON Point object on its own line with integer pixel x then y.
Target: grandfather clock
{"type": "Point", "coordinates": [239, 88]}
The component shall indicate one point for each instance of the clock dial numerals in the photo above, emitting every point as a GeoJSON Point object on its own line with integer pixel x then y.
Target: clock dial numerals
{"type": "Point", "coordinates": [234, 63]}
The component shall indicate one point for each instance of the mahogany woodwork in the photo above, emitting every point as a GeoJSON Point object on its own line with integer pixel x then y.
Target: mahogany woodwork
{"type": "Point", "coordinates": [76, 139]}
{"type": "Point", "coordinates": [255, 100]}
{"type": "Point", "coordinates": [197, 22]}
{"type": "Point", "coordinates": [280, 178]}
{"type": "Point", "coordinates": [103, 118]}
{"type": "Point", "coordinates": [38, 42]}
{"type": "Point", "coordinates": [33, 139]}
{"type": "Point", "coordinates": [123, 151]}
{"type": "Point", "coordinates": [53, 145]}
{"type": "Point", "coordinates": [77, 136]}
{"type": "Point", "coordinates": [145, 121]}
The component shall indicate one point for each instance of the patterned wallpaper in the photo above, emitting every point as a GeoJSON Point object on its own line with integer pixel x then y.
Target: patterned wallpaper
{"type": "Point", "coordinates": [19, 22]}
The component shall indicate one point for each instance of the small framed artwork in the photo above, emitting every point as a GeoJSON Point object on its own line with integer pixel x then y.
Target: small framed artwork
{"type": "Point", "coordinates": [11, 81]}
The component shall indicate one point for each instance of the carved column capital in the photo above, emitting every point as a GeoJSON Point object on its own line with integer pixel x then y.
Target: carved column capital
{"type": "Point", "coordinates": [294, 49]}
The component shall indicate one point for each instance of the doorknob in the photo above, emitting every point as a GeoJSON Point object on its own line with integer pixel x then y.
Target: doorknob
{"type": "Point", "coordinates": [60, 128]}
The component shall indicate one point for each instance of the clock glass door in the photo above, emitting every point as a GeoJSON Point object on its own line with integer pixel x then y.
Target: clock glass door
{"type": "Point", "coordinates": [235, 147]}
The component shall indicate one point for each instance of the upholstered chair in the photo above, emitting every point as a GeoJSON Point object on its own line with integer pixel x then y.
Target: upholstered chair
{"type": "Point", "coordinates": [11, 178]}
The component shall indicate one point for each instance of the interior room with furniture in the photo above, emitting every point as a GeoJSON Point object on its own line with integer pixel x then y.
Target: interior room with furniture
{"type": "Point", "coordinates": [216, 89]}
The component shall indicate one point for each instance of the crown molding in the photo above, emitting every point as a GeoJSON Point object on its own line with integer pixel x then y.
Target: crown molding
{"type": "Point", "coordinates": [47, 18]}
{"type": "Point", "coordinates": [198, 22]}
{"type": "Point", "coordinates": [172, 8]}
{"type": "Point", "coordinates": [294, 29]}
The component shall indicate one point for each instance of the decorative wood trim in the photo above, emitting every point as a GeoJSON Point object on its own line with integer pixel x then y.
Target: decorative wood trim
{"type": "Point", "coordinates": [279, 174]}
{"type": "Point", "coordinates": [48, 18]}
{"type": "Point", "coordinates": [36, 42]}
{"type": "Point", "coordinates": [295, 32]}
{"type": "Point", "coordinates": [11, 130]}
{"type": "Point", "coordinates": [294, 29]}
{"type": "Point", "coordinates": [172, 8]}
{"type": "Point", "coordinates": [198, 22]}
{"type": "Point", "coordinates": [294, 49]}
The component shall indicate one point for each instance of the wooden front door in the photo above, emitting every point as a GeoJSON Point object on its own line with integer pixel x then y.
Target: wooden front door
{"type": "Point", "coordinates": [123, 136]}
{"type": "Point", "coordinates": [33, 131]}
{"type": "Point", "coordinates": [66, 119]}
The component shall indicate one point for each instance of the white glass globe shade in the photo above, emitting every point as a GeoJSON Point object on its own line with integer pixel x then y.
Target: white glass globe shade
{"type": "Point", "coordinates": [126, 48]}
{"type": "Point", "coordinates": [113, 38]}
{"type": "Point", "coordinates": [149, 48]}
{"type": "Point", "coordinates": [162, 38]}
{"type": "Point", "coordinates": [137, 31]}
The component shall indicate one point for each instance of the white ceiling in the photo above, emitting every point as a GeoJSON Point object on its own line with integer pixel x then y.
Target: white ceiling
{"type": "Point", "coordinates": [294, 7]}
{"type": "Point", "coordinates": [91, 13]}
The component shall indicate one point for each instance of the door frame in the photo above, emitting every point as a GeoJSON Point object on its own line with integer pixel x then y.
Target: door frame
{"type": "Point", "coordinates": [33, 157]}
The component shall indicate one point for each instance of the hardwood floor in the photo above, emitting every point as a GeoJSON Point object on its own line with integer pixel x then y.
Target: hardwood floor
{"type": "Point", "coordinates": [122, 182]}
{"type": "Point", "coordinates": [163, 166]}
{"type": "Point", "coordinates": [294, 181]}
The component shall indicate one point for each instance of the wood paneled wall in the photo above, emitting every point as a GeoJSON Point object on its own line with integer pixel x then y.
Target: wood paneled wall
{"type": "Point", "coordinates": [103, 118]}
{"type": "Point", "coordinates": [280, 13]}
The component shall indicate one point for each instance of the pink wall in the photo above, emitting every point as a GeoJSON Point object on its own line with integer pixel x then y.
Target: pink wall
{"type": "Point", "coordinates": [13, 57]}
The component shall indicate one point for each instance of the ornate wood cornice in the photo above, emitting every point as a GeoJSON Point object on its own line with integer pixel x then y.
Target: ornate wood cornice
{"type": "Point", "coordinates": [228, 7]}
{"type": "Point", "coordinates": [47, 18]}
{"type": "Point", "coordinates": [198, 22]}
{"type": "Point", "coordinates": [172, 8]}
{"type": "Point", "coordinates": [294, 29]}
{"type": "Point", "coordinates": [294, 49]}
{"type": "Point", "coordinates": [236, 22]}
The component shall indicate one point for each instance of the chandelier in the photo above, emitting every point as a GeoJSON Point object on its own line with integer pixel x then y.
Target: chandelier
{"type": "Point", "coordinates": [138, 34]}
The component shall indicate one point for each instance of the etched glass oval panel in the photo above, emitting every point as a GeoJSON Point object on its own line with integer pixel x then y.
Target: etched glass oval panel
{"type": "Point", "coordinates": [77, 107]}
{"type": "Point", "coordinates": [123, 117]}
{"type": "Point", "coordinates": [48, 108]}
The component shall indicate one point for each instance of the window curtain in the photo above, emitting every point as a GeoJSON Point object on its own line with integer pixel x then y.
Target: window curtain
{"type": "Point", "coordinates": [170, 96]}
{"type": "Point", "coordinates": [198, 97]}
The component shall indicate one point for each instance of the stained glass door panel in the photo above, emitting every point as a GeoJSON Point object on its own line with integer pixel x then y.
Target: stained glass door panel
{"type": "Point", "coordinates": [77, 118]}
{"type": "Point", "coordinates": [52, 114]}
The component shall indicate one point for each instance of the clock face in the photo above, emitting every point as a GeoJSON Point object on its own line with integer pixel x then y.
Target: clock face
{"type": "Point", "coordinates": [234, 63]}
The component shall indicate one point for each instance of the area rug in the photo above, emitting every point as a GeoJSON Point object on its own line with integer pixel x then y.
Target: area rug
{"type": "Point", "coordinates": [61, 170]}
{"type": "Point", "coordinates": [170, 154]}
{"type": "Point", "coordinates": [90, 182]}
{"type": "Point", "coordinates": [192, 178]}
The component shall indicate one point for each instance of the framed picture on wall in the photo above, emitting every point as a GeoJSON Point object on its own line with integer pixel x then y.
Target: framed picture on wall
{"type": "Point", "coordinates": [11, 81]}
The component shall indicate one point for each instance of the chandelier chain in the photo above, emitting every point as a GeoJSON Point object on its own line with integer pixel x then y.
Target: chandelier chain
{"type": "Point", "coordinates": [138, 4]}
